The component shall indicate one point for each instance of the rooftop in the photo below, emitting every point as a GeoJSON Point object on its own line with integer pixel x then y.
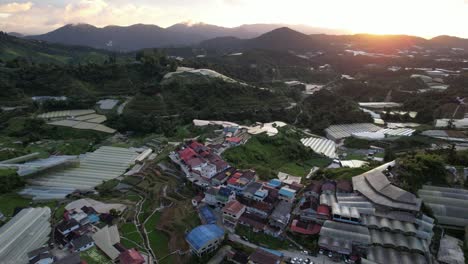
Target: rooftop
{"type": "Point", "coordinates": [233, 207]}
{"type": "Point", "coordinates": [376, 187]}
{"type": "Point", "coordinates": [201, 235]}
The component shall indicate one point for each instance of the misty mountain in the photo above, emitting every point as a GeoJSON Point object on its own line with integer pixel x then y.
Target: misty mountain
{"type": "Point", "coordinates": [141, 36]}
{"type": "Point", "coordinates": [15, 34]}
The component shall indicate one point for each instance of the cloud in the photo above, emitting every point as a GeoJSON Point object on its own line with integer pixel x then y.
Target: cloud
{"type": "Point", "coordinates": [15, 7]}
{"type": "Point", "coordinates": [85, 8]}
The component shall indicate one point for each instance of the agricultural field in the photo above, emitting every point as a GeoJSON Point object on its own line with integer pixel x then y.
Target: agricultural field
{"type": "Point", "coordinates": [270, 155]}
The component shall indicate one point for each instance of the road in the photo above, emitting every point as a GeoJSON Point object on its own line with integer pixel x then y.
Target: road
{"type": "Point", "coordinates": [289, 254]}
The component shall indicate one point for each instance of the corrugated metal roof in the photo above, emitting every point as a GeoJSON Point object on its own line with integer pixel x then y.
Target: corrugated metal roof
{"type": "Point", "coordinates": [449, 205]}
{"type": "Point", "coordinates": [200, 236]}
{"type": "Point", "coordinates": [346, 130]}
{"type": "Point", "coordinates": [347, 232]}
{"type": "Point", "coordinates": [397, 240]}
{"type": "Point", "coordinates": [25, 232]}
{"type": "Point", "coordinates": [382, 255]}
{"type": "Point", "coordinates": [106, 163]}
{"type": "Point", "coordinates": [321, 146]}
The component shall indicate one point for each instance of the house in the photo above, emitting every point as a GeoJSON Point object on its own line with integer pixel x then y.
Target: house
{"type": "Point", "coordinates": [251, 189]}
{"type": "Point", "coordinates": [253, 221]}
{"type": "Point", "coordinates": [274, 183]}
{"type": "Point", "coordinates": [287, 194]}
{"type": "Point", "coordinates": [208, 171]}
{"type": "Point", "coordinates": [187, 154]}
{"type": "Point", "coordinates": [234, 141]}
{"type": "Point", "coordinates": [281, 215]}
{"type": "Point", "coordinates": [328, 187]}
{"type": "Point", "coordinates": [221, 177]}
{"type": "Point", "coordinates": [305, 228]}
{"type": "Point", "coordinates": [313, 189]}
{"type": "Point", "coordinates": [205, 238]}
{"type": "Point", "coordinates": [40, 256]}
{"type": "Point", "coordinates": [264, 256]}
{"type": "Point", "coordinates": [82, 243]}
{"type": "Point", "coordinates": [308, 208]}
{"type": "Point", "coordinates": [232, 212]}
{"type": "Point", "coordinates": [219, 196]}
{"type": "Point", "coordinates": [206, 214]}
{"type": "Point", "coordinates": [261, 209]}
{"type": "Point", "coordinates": [131, 256]}
{"type": "Point", "coordinates": [106, 240]}
{"type": "Point", "coordinates": [65, 227]}
{"type": "Point", "coordinates": [239, 181]}
{"type": "Point", "coordinates": [217, 161]}
{"type": "Point", "coordinates": [344, 186]}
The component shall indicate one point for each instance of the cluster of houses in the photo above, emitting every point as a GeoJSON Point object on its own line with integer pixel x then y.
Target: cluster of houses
{"type": "Point", "coordinates": [365, 218]}
{"type": "Point", "coordinates": [88, 223]}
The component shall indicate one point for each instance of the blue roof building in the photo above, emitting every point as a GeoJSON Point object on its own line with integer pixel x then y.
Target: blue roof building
{"type": "Point", "coordinates": [207, 215]}
{"type": "Point", "coordinates": [205, 238]}
{"type": "Point", "coordinates": [286, 194]}
{"type": "Point", "coordinates": [275, 183]}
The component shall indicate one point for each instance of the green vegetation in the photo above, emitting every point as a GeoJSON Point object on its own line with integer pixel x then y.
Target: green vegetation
{"type": "Point", "coordinates": [414, 170]}
{"type": "Point", "coordinates": [159, 240]}
{"type": "Point", "coordinates": [261, 239]}
{"type": "Point", "coordinates": [94, 256]}
{"type": "Point", "coordinates": [357, 143]}
{"type": "Point", "coordinates": [39, 52]}
{"type": "Point", "coordinates": [270, 155]}
{"type": "Point", "coordinates": [9, 180]}
{"type": "Point", "coordinates": [342, 173]}
{"type": "Point", "coordinates": [326, 108]}
{"type": "Point", "coordinates": [10, 201]}
{"type": "Point", "coordinates": [131, 238]}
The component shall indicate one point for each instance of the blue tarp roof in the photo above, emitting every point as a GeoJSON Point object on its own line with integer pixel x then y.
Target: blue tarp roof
{"type": "Point", "coordinates": [274, 183]}
{"type": "Point", "coordinates": [201, 235]}
{"type": "Point", "coordinates": [286, 192]}
{"type": "Point", "coordinates": [207, 215]}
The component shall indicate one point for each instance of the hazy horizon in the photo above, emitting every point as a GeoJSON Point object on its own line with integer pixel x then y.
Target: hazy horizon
{"type": "Point", "coordinates": [428, 18]}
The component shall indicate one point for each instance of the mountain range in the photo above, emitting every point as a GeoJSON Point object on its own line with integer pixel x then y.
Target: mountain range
{"type": "Point", "coordinates": [257, 36]}
{"type": "Point", "coordinates": [140, 36]}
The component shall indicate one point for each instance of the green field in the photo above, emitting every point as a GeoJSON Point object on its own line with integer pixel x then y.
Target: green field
{"type": "Point", "coordinates": [94, 256]}
{"type": "Point", "coordinates": [8, 203]}
{"type": "Point", "coordinates": [131, 238]}
{"type": "Point", "coordinates": [270, 155]}
{"type": "Point", "coordinates": [159, 240]}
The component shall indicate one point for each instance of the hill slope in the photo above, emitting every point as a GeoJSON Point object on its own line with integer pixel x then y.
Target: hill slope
{"type": "Point", "coordinates": [12, 47]}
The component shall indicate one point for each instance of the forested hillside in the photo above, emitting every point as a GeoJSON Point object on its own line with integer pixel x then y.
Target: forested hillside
{"type": "Point", "coordinates": [40, 52]}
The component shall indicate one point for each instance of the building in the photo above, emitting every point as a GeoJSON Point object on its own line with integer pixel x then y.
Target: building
{"type": "Point", "coordinates": [232, 212]}
{"type": "Point", "coordinates": [131, 256]}
{"type": "Point", "coordinates": [253, 221]}
{"type": "Point", "coordinates": [207, 216]}
{"type": "Point", "coordinates": [239, 181]}
{"type": "Point", "coordinates": [205, 238]}
{"type": "Point", "coordinates": [40, 256]}
{"type": "Point", "coordinates": [344, 238]}
{"type": "Point", "coordinates": [82, 243]}
{"type": "Point", "coordinates": [287, 194]}
{"type": "Point", "coordinates": [281, 215]}
{"type": "Point", "coordinates": [251, 190]}
{"type": "Point", "coordinates": [222, 177]}
{"type": "Point", "coordinates": [219, 196]}
{"type": "Point", "coordinates": [313, 189]}
{"type": "Point", "coordinates": [26, 231]}
{"type": "Point", "coordinates": [264, 256]}
{"type": "Point", "coordinates": [449, 205]}
{"type": "Point", "coordinates": [344, 186]}
{"type": "Point", "coordinates": [346, 214]}
{"type": "Point", "coordinates": [340, 132]}
{"type": "Point", "coordinates": [328, 187]}
{"type": "Point", "coordinates": [67, 226]}
{"type": "Point", "coordinates": [106, 239]}
{"type": "Point", "coordinates": [261, 209]}
{"type": "Point", "coordinates": [375, 186]}
{"type": "Point", "coordinates": [305, 228]}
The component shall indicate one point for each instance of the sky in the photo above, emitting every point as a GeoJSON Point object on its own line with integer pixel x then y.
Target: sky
{"type": "Point", "coordinates": [426, 18]}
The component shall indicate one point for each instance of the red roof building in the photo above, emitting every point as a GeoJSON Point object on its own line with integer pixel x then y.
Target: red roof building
{"type": "Point", "coordinates": [131, 256]}
{"type": "Point", "coordinates": [323, 210]}
{"type": "Point", "coordinates": [187, 154]}
{"type": "Point", "coordinates": [305, 228]}
{"type": "Point", "coordinates": [234, 140]}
